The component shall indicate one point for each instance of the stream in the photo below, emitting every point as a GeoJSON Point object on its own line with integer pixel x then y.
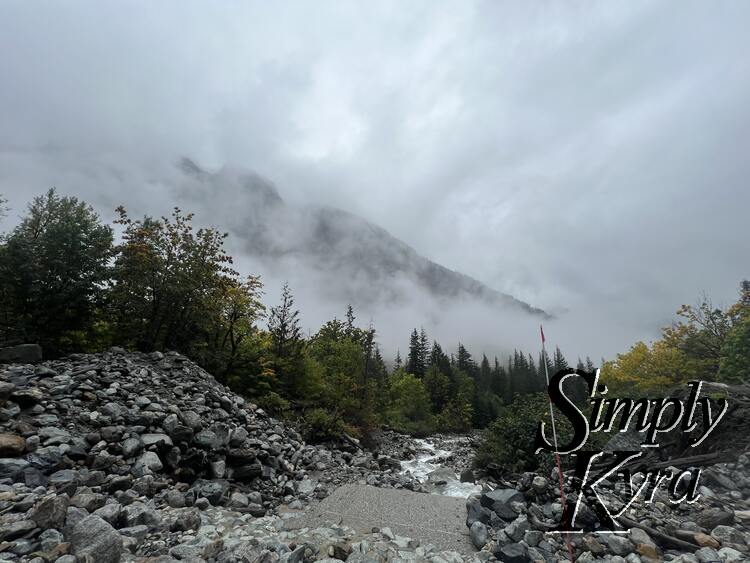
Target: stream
{"type": "Point", "coordinates": [428, 468]}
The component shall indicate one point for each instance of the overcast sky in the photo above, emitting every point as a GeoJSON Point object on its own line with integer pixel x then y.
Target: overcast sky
{"type": "Point", "coordinates": [589, 157]}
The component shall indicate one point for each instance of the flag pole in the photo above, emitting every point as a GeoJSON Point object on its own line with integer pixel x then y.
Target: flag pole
{"type": "Point", "coordinates": [557, 452]}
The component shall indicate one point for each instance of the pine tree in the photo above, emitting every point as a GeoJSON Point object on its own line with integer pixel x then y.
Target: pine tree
{"type": "Point", "coordinates": [424, 349]}
{"type": "Point", "coordinates": [510, 386]}
{"type": "Point", "coordinates": [286, 339]}
{"type": "Point", "coordinates": [349, 320]}
{"type": "Point", "coordinates": [440, 359]}
{"type": "Point", "coordinates": [368, 347]}
{"type": "Point", "coordinates": [464, 362]}
{"type": "Point", "coordinates": [485, 375]}
{"type": "Point", "coordinates": [379, 368]}
{"type": "Point", "coordinates": [546, 369]}
{"type": "Point", "coordinates": [589, 365]}
{"type": "Point", "coordinates": [398, 362]}
{"type": "Point", "coordinates": [498, 380]}
{"type": "Point", "coordinates": [416, 361]}
{"type": "Point", "coordinates": [558, 360]}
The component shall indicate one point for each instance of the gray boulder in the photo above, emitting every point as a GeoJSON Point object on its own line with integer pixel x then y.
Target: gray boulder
{"type": "Point", "coordinates": [478, 533]}
{"type": "Point", "coordinates": [21, 354]}
{"type": "Point", "coordinates": [137, 513]}
{"type": "Point", "coordinates": [93, 537]}
{"type": "Point", "coordinates": [187, 520]}
{"type": "Point", "coordinates": [499, 501]}
{"type": "Point", "coordinates": [51, 512]}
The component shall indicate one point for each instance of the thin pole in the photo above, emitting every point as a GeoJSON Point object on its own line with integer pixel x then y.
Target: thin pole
{"type": "Point", "coordinates": [557, 453]}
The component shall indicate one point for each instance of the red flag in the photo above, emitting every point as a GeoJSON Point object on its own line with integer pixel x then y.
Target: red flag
{"type": "Point", "coordinates": [542, 331]}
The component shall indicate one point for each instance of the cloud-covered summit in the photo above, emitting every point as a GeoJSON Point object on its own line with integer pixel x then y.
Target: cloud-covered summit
{"type": "Point", "coordinates": [357, 261]}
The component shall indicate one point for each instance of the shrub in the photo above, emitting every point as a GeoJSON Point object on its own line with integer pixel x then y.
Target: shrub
{"type": "Point", "coordinates": [321, 426]}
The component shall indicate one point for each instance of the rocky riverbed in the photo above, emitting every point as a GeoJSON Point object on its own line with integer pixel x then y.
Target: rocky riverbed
{"type": "Point", "coordinates": [132, 457]}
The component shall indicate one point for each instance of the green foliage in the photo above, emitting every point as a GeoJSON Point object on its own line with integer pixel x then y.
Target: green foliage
{"type": "Point", "coordinates": [319, 425]}
{"type": "Point", "coordinates": [734, 365]}
{"type": "Point", "coordinates": [707, 343]}
{"type": "Point", "coordinates": [410, 408]}
{"type": "Point", "coordinates": [287, 346]}
{"type": "Point", "coordinates": [53, 272]}
{"type": "Point", "coordinates": [456, 416]}
{"type": "Point", "coordinates": [171, 283]}
{"type": "Point", "coordinates": [509, 441]}
{"type": "Point", "coordinates": [345, 384]}
{"type": "Point", "coordinates": [416, 361]}
{"type": "Point", "coordinates": [438, 385]}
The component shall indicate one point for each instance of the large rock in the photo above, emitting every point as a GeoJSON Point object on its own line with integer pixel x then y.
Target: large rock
{"type": "Point", "coordinates": [728, 535]}
{"type": "Point", "coordinates": [152, 439]}
{"type": "Point", "coordinates": [499, 501]}
{"type": "Point", "coordinates": [478, 533]}
{"type": "Point", "coordinates": [139, 514]}
{"type": "Point", "coordinates": [21, 354]}
{"type": "Point", "coordinates": [187, 520]}
{"type": "Point", "coordinates": [512, 553]}
{"type": "Point", "coordinates": [12, 468]}
{"type": "Point", "coordinates": [12, 445]}
{"type": "Point", "coordinates": [132, 447]}
{"type": "Point", "coordinates": [476, 512]}
{"type": "Point", "coordinates": [212, 490]}
{"type": "Point", "coordinates": [148, 462]}
{"type": "Point", "coordinates": [51, 512]}
{"type": "Point", "coordinates": [13, 530]}
{"type": "Point", "coordinates": [712, 517]}
{"type": "Point", "coordinates": [93, 537]}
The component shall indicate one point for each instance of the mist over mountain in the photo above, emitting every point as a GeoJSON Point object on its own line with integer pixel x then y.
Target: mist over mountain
{"type": "Point", "coordinates": [354, 260]}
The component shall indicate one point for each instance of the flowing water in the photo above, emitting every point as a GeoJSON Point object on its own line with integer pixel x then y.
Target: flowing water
{"type": "Point", "coordinates": [440, 479]}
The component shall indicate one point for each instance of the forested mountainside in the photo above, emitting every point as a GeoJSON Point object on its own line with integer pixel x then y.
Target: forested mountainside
{"type": "Point", "coordinates": [362, 259]}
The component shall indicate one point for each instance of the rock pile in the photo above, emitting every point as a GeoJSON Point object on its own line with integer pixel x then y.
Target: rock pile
{"type": "Point", "coordinates": [510, 522]}
{"type": "Point", "coordinates": [112, 454]}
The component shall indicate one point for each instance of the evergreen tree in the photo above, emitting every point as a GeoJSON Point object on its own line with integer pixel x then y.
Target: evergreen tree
{"type": "Point", "coordinates": [485, 375]}
{"type": "Point", "coordinates": [498, 380]}
{"type": "Point", "coordinates": [416, 361]}
{"type": "Point", "coordinates": [349, 328]}
{"type": "Point", "coordinates": [464, 361]}
{"type": "Point", "coordinates": [379, 368]}
{"type": "Point", "coordinates": [558, 361]}
{"type": "Point", "coordinates": [440, 359]}
{"type": "Point", "coordinates": [589, 365]}
{"type": "Point", "coordinates": [438, 386]}
{"type": "Point", "coordinates": [424, 349]}
{"type": "Point", "coordinates": [286, 340]}
{"type": "Point", "coordinates": [546, 368]}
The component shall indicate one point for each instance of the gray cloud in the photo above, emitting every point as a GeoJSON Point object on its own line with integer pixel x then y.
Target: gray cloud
{"type": "Point", "coordinates": [587, 158]}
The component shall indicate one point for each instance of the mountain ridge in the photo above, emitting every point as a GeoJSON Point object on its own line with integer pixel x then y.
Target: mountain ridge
{"type": "Point", "coordinates": [332, 240]}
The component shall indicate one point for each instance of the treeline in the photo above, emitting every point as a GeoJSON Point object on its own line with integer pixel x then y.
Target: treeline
{"type": "Point", "coordinates": [68, 284]}
{"type": "Point", "coordinates": [705, 342]}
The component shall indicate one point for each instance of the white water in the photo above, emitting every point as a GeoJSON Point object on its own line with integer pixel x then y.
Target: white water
{"type": "Point", "coordinates": [427, 461]}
